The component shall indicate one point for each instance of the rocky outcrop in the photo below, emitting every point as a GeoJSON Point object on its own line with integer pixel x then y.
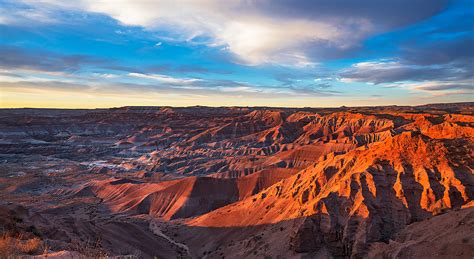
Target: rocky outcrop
{"type": "Point", "coordinates": [346, 202]}
{"type": "Point", "coordinates": [248, 182]}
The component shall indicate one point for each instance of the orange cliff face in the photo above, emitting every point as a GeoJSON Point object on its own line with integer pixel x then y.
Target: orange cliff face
{"type": "Point", "coordinates": [368, 193]}
{"type": "Point", "coordinates": [415, 176]}
{"type": "Point", "coordinates": [249, 182]}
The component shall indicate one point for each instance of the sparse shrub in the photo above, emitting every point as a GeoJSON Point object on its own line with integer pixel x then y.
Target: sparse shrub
{"type": "Point", "coordinates": [15, 245]}
{"type": "Point", "coordinates": [6, 246]}
{"type": "Point", "coordinates": [91, 249]}
{"type": "Point", "coordinates": [30, 246]}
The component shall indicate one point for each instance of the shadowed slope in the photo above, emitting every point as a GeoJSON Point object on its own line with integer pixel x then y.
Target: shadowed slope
{"type": "Point", "coordinates": [447, 235]}
{"type": "Point", "coordinates": [181, 198]}
{"type": "Point", "coordinates": [365, 195]}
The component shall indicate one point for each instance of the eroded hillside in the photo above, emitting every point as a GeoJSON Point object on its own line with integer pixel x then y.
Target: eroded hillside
{"type": "Point", "coordinates": [252, 182]}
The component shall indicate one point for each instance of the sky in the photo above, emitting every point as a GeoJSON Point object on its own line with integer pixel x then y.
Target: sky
{"type": "Point", "coordinates": [285, 53]}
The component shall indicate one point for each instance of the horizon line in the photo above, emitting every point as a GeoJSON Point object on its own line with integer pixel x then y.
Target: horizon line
{"type": "Point", "coordinates": [231, 106]}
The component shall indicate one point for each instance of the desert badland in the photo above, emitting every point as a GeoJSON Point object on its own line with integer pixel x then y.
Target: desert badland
{"type": "Point", "coordinates": [237, 129]}
{"type": "Point", "coordinates": [239, 182]}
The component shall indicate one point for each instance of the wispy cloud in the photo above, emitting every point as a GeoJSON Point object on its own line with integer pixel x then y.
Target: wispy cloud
{"type": "Point", "coordinates": [443, 86]}
{"type": "Point", "coordinates": [352, 50]}
{"type": "Point", "coordinates": [15, 57]}
{"type": "Point", "coordinates": [22, 81]}
{"type": "Point", "coordinates": [256, 32]}
{"type": "Point", "coordinates": [390, 71]}
{"type": "Point", "coordinates": [439, 80]}
{"type": "Point", "coordinates": [165, 78]}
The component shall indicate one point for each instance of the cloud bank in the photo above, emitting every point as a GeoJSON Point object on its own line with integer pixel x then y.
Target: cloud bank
{"type": "Point", "coordinates": [296, 32]}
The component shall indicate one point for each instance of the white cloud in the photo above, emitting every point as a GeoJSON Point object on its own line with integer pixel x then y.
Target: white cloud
{"type": "Point", "coordinates": [381, 64]}
{"type": "Point", "coordinates": [435, 80]}
{"type": "Point", "coordinates": [27, 16]}
{"type": "Point", "coordinates": [31, 75]}
{"type": "Point", "coordinates": [391, 72]}
{"type": "Point", "coordinates": [106, 75]}
{"type": "Point", "coordinates": [252, 35]}
{"type": "Point", "coordinates": [165, 78]}
{"type": "Point", "coordinates": [442, 85]}
{"type": "Point", "coordinates": [247, 89]}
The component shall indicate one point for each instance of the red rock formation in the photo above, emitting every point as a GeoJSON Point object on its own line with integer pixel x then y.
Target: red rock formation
{"type": "Point", "coordinates": [246, 182]}
{"type": "Point", "coordinates": [362, 196]}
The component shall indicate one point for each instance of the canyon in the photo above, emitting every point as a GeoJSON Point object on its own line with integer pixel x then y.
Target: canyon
{"type": "Point", "coordinates": [253, 182]}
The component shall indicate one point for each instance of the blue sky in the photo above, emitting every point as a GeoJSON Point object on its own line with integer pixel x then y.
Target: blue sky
{"type": "Point", "coordinates": [224, 53]}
